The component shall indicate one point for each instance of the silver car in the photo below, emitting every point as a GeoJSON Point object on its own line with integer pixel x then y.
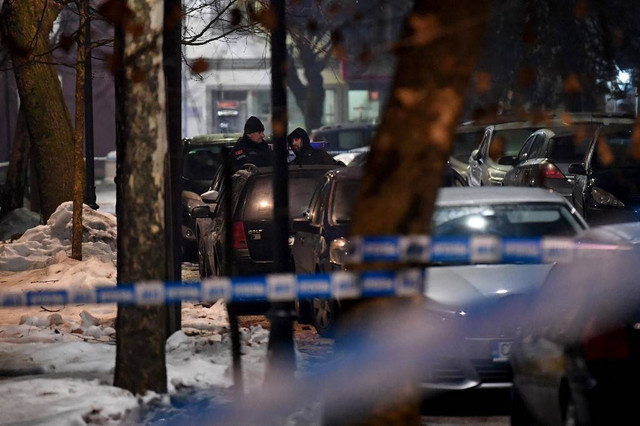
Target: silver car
{"type": "Point", "coordinates": [475, 297]}
{"type": "Point", "coordinates": [499, 140]}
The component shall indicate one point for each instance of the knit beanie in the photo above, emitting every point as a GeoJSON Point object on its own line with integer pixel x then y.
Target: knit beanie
{"type": "Point", "coordinates": [253, 125]}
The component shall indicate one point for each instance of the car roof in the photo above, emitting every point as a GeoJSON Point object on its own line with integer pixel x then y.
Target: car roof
{"type": "Point", "coordinates": [213, 139]}
{"type": "Point", "coordinates": [297, 168]}
{"type": "Point", "coordinates": [346, 126]}
{"type": "Point", "coordinates": [496, 195]}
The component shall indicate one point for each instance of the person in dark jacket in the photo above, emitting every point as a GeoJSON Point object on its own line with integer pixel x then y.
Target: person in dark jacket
{"type": "Point", "coordinates": [251, 147]}
{"type": "Point", "coordinates": [300, 144]}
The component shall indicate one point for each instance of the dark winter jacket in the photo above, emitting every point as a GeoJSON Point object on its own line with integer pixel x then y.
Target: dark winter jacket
{"type": "Point", "coordinates": [246, 151]}
{"type": "Point", "coordinates": [308, 155]}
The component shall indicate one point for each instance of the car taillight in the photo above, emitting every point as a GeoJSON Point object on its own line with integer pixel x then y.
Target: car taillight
{"type": "Point", "coordinates": [549, 171]}
{"type": "Point", "coordinates": [611, 343]}
{"type": "Point", "coordinates": [239, 239]}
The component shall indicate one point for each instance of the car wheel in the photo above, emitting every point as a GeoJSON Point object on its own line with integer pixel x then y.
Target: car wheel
{"type": "Point", "coordinates": [519, 412]}
{"type": "Point", "coordinates": [324, 313]}
{"type": "Point", "coordinates": [203, 263]}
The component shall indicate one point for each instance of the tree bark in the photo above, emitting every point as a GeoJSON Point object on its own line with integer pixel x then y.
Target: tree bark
{"type": "Point", "coordinates": [141, 330]}
{"type": "Point", "coordinates": [78, 151]}
{"type": "Point", "coordinates": [13, 193]}
{"type": "Point", "coordinates": [26, 26]}
{"type": "Point", "coordinates": [436, 57]}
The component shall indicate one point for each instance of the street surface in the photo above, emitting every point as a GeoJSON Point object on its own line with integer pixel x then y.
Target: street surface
{"type": "Point", "coordinates": [491, 410]}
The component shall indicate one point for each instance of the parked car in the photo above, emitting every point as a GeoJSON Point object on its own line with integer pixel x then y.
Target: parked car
{"type": "Point", "coordinates": [202, 155]}
{"type": "Point", "coordinates": [499, 140]}
{"type": "Point", "coordinates": [342, 137]}
{"type": "Point", "coordinates": [607, 183]}
{"type": "Point", "coordinates": [545, 158]}
{"type": "Point", "coordinates": [252, 219]}
{"type": "Point", "coordinates": [476, 298]}
{"type": "Point", "coordinates": [576, 358]}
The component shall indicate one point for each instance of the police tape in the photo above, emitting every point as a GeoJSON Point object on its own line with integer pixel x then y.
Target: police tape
{"type": "Point", "coordinates": [270, 288]}
{"type": "Point", "coordinates": [468, 250]}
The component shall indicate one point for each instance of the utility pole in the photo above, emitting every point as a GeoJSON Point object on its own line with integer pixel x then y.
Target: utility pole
{"type": "Point", "coordinates": [90, 188]}
{"type": "Point", "coordinates": [280, 354]}
{"type": "Point", "coordinates": [172, 57]}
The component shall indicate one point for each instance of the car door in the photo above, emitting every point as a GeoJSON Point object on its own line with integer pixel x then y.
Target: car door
{"type": "Point", "coordinates": [476, 161]}
{"type": "Point", "coordinates": [529, 168]}
{"type": "Point", "coordinates": [308, 230]}
{"type": "Point", "coordinates": [514, 176]}
{"type": "Point", "coordinates": [581, 183]}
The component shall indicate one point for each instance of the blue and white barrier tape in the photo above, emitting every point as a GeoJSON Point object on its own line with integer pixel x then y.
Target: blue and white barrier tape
{"type": "Point", "coordinates": [480, 249]}
{"type": "Point", "coordinates": [272, 288]}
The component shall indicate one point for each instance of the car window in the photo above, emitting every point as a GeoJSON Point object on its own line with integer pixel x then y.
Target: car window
{"type": "Point", "coordinates": [464, 143]}
{"type": "Point", "coordinates": [343, 199]}
{"type": "Point", "coordinates": [505, 220]}
{"type": "Point", "coordinates": [507, 142]}
{"type": "Point", "coordinates": [258, 204]}
{"type": "Point", "coordinates": [566, 149]}
{"type": "Point", "coordinates": [524, 152]}
{"type": "Point", "coordinates": [615, 151]}
{"type": "Point", "coordinates": [320, 205]}
{"type": "Point", "coordinates": [351, 139]}
{"type": "Point", "coordinates": [536, 150]}
{"type": "Point", "coordinates": [484, 144]}
{"type": "Point", "coordinates": [200, 164]}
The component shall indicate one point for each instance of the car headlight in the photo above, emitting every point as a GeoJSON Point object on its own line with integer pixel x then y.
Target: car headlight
{"type": "Point", "coordinates": [604, 198]}
{"type": "Point", "coordinates": [339, 250]}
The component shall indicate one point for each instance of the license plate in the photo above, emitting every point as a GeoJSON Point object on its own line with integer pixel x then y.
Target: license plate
{"type": "Point", "coordinates": [500, 351]}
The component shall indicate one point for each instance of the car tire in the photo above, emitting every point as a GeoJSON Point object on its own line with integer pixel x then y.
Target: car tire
{"type": "Point", "coordinates": [324, 314]}
{"type": "Point", "coordinates": [520, 415]}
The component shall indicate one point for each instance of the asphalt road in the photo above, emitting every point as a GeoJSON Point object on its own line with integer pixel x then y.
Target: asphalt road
{"type": "Point", "coordinates": [459, 409]}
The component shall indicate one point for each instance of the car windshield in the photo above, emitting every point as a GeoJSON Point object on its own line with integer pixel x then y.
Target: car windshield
{"type": "Point", "coordinates": [567, 149]}
{"type": "Point", "coordinates": [464, 143]}
{"type": "Point", "coordinates": [508, 142]}
{"type": "Point", "coordinates": [505, 220]}
{"type": "Point", "coordinates": [259, 200]}
{"type": "Point", "coordinates": [614, 151]}
{"type": "Point", "coordinates": [201, 163]}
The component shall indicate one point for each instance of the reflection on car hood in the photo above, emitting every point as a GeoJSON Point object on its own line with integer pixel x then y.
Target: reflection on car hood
{"type": "Point", "coordinates": [462, 286]}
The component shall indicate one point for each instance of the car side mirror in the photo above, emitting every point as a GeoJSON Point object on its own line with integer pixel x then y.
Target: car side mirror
{"type": "Point", "coordinates": [577, 169]}
{"type": "Point", "coordinates": [507, 160]}
{"type": "Point", "coordinates": [210, 196]}
{"type": "Point", "coordinates": [200, 212]}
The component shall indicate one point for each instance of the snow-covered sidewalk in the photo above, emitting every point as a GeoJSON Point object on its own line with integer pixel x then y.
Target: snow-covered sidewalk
{"type": "Point", "coordinates": [57, 362]}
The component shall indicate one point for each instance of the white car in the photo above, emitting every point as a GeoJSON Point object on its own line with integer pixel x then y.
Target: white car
{"type": "Point", "coordinates": [473, 297]}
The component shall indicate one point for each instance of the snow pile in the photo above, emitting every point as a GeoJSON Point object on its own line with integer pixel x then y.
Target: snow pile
{"type": "Point", "coordinates": [49, 244]}
{"type": "Point", "coordinates": [16, 222]}
{"type": "Point", "coordinates": [59, 399]}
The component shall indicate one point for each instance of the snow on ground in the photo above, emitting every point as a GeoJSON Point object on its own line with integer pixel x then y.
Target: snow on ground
{"type": "Point", "coordinates": [57, 362]}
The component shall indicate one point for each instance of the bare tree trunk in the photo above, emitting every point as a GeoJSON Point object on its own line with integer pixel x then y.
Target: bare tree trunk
{"type": "Point", "coordinates": [435, 60]}
{"type": "Point", "coordinates": [141, 330]}
{"type": "Point", "coordinates": [78, 161]}
{"type": "Point", "coordinates": [13, 193]}
{"type": "Point", "coordinates": [26, 25]}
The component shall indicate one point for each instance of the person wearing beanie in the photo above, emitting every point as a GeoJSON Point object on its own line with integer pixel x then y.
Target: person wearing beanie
{"type": "Point", "coordinates": [299, 142]}
{"type": "Point", "coordinates": [251, 147]}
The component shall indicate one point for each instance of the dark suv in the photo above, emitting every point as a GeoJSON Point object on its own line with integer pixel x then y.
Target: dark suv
{"type": "Point", "coordinates": [202, 155]}
{"type": "Point", "coordinates": [253, 215]}
{"type": "Point", "coordinates": [251, 220]}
